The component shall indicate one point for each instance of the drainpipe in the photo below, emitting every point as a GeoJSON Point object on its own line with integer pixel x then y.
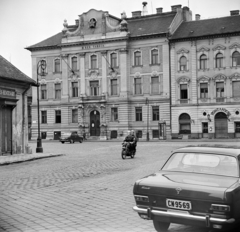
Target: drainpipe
{"type": "Point", "coordinates": [170, 84]}
{"type": "Point", "coordinates": [23, 118]}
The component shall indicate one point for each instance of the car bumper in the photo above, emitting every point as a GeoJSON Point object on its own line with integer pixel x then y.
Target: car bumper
{"type": "Point", "coordinates": [207, 219]}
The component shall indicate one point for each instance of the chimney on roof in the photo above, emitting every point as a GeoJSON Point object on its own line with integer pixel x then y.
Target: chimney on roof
{"type": "Point", "coordinates": [197, 17]}
{"type": "Point", "coordinates": [77, 22]}
{"type": "Point", "coordinates": [136, 13]}
{"type": "Point", "coordinates": [234, 12]}
{"type": "Point", "coordinates": [145, 10]}
{"type": "Point", "coordinates": [186, 14]}
{"type": "Point", "coordinates": [159, 10]}
{"type": "Point", "coordinates": [175, 7]}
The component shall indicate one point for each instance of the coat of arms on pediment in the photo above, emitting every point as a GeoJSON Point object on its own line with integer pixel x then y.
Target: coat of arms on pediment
{"type": "Point", "coordinates": [93, 73]}
{"type": "Point", "coordinates": [234, 45]}
{"type": "Point", "coordinates": [203, 49]}
{"type": "Point", "coordinates": [182, 51]}
{"type": "Point", "coordinates": [183, 79]}
{"type": "Point", "coordinates": [92, 23]}
{"type": "Point", "coordinates": [219, 47]}
{"type": "Point", "coordinates": [219, 77]}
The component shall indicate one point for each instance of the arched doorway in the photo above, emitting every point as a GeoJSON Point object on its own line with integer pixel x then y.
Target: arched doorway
{"type": "Point", "coordinates": [184, 124]}
{"type": "Point", "coordinates": [95, 123]}
{"type": "Point", "coordinates": [221, 125]}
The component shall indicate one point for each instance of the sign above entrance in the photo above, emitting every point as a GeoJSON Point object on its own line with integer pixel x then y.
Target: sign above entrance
{"type": "Point", "coordinates": [7, 93]}
{"type": "Point", "coordinates": [221, 110]}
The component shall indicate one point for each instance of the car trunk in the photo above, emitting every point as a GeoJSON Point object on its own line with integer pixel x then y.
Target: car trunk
{"type": "Point", "coordinates": [201, 190]}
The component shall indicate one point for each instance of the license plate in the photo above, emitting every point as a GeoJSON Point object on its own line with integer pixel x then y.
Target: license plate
{"type": "Point", "coordinates": [177, 204]}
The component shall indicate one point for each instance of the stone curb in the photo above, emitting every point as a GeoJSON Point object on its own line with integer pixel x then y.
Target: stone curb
{"type": "Point", "coordinates": [5, 160]}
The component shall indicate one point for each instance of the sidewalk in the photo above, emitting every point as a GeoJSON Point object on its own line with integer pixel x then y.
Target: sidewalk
{"type": "Point", "coordinates": [16, 158]}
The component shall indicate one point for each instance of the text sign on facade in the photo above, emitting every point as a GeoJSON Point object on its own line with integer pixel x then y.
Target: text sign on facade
{"type": "Point", "coordinates": [92, 46]}
{"type": "Point", "coordinates": [7, 93]}
{"type": "Point", "coordinates": [221, 110]}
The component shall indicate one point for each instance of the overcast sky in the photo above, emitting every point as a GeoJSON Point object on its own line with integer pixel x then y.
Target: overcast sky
{"type": "Point", "coordinates": [27, 22]}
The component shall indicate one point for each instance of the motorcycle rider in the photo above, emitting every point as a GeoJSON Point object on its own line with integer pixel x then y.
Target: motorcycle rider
{"type": "Point", "coordinates": [134, 144]}
{"type": "Point", "coordinates": [130, 139]}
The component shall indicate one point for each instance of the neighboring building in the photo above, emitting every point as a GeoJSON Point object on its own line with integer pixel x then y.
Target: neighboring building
{"type": "Point", "coordinates": [106, 75]}
{"type": "Point", "coordinates": [13, 108]}
{"type": "Point", "coordinates": [205, 78]}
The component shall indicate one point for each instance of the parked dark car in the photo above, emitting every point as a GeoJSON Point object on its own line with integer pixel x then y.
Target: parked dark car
{"type": "Point", "coordinates": [198, 185]}
{"type": "Point", "coordinates": [71, 137]}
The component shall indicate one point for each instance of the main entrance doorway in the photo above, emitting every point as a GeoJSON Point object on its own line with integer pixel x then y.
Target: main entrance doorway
{"type": "Point", "coordinates": [95, 123]}
{"type": "Point", "coordinates": [221, 125]}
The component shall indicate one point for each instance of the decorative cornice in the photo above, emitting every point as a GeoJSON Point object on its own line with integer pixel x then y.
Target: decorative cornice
{"type": "Point", "coordinates": [219, 47]}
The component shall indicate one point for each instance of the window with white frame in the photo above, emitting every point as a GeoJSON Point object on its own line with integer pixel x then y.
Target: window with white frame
{"type": "Point", "coordinates": [183, 63]}
{"type": "Point", "coordinates": [43, 91]}
{"type": "Point", "coordinates": [74, 63]}
{"type": "Point", "coordinates": [75, 89]}
{"type": "Point", "coordinates": [74, 115]}
{"type": "Point", "coordinates": [93, 61]}
{"type": "Point", "coordinates": [114, 87]}
{"type": "Point", "coordinates": [219, 60]}
{"type": "Point", "coordinates": [113, 60]}
{"type": "Point", "coordinates": [236, 88]}
{"type": "Point", "coordinates": [114, 114]}
{"type": "Point", "coordinates": [203, 90]}
{"type": "Point", "coordinates": [203, 62]}
{"type": "Point", "coordinates": [58, 91]}
{"type": "Point", "coordinates": [155, 85]}
{"type": "Point", "coordinates": [137, 58]}
{"type": "Point", "coordinates": [138, 114]}
{"type": "Point", "coordinates": [154, 56]}
{"type": "Point", "coordinates": [94, 88]}
{"type": "Point", "coordinates": [57, 65]}
{"type": "Point", "coordinates": [219, 89]}
{"type": "Point", "coordinates": [138, 85]}
{"type": "Point", "coordinates": [236, 59]}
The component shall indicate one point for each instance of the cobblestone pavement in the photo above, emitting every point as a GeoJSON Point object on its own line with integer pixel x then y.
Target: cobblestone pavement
{"type": "Point", "coordinates": [89, 189]}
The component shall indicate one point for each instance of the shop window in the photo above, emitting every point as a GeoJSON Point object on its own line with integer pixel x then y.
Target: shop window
{"type": "Point", "coordinates": [74, 63]}
{"type": "Point", "coordinates": [44, 116]}
{"type": "Point", "coordinates": [155, 113]}
{"type": "Point", "coordinates": [236, 88]}
{"type": "Point", "coordinates": [237, 127]}
{"type": "Point", "coordinates": [183, 63]}
{"type": "Point", "coordinates": [235, 59]}
{"type": "Point", "coordinates": [203, 90]}
{"type": "Point", "coordinates": [154, 56]}
{"type": "Point", "coordinates": [155, 134]}
{"type": "Point", "coordinates": [204, 127]}
{"type": "Point", "coordinates": [114, 114]}
{"type": "Point", "coordinates": [219, 60]}
{"type": "Point", "coordinates": [203, 62]}
{"type": "Point", "coordinates": [74, 115]}
{"type": "Point", "coordinates": [155, 85]}
{"type": "Point", "coordinates": [137, 58]}
{"type": "Point", "coordinates": [113, 59]}
{"type": "Point", "coordinates": [94, 88]}
{"type": "Point", "coordinates": [43, 91]}
{"type": "Point", "coordinates": [74, 89]}
{"type": "Point", "coordinates": [138, 85]}
{"type": "Point", "coordinates": [58, 91]}
{"type": "Point", "coordinates": [138, 113]}
{"type": "Point", "coordinates": [114, 87]}
{"type": "Point", "coordinates": [58, 116]}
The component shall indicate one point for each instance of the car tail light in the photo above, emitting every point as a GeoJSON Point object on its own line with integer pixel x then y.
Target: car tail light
{"type": "Point", "coordinates": [220, 208]}
{"type": "Point", "coordinates": [141, 198]}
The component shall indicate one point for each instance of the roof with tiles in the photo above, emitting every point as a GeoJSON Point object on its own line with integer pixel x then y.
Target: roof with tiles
{"type": "Point", "coordinates": [9, 71]}
{"type": "Point", "coordinates": [137, 26]}
{"type": "Point", "coordinates": [207, 27]}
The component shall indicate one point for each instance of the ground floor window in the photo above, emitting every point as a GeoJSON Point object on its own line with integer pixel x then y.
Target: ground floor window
{"type": "Point", "coordinates": [139, 134]}
{"type": "Point", "coordinates": [43, 135]}
{"type": "Point", "coordinates": [113, 134]}
{"type": "Point", "coordinates": [155, 134]}
{"type": "Point", "coordinates": [237, 127]}
{"type": "Point", "coordinates": [204, 127]}
{"type": "Point", "coordinates": [184, 124]}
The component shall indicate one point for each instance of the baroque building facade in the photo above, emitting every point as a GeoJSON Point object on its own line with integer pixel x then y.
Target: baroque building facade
{"type": "Point", "coordinates": [106, 75]}
{"type": "Point", "coordinates": [205, 78]}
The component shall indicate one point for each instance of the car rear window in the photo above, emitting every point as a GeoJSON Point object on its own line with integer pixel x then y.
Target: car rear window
{"type": "Point", "coordinates": [203, 163]}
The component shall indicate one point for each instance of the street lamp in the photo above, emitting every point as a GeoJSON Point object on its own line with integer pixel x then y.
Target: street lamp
{"type": "Point", "coordinates": [41, 67]}
{"type": "Point", "coordinates": [147, 103]}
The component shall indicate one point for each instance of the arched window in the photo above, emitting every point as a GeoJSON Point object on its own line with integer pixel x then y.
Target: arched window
{"type": "Point", "coordinates": [93, 61]}
{"type": "Point", "coordinates": [154, 56]}
{"type": "Point", "coordinates": [235, 59]}
{"type": "Point", "coordinates": [57, 65]}
{"type": "Point", "coordinates": [219, 60]}
{"type": "Point", "coordinates": [113, 58]}
{"type": "Point", "coordinates": [203, 61]}
{"type": "Point", "coordinates": [74, 63]}
{"type": "Point", "coordinates": [183, 63]}
{"type": "Point", "coordinates": [184, 124]}
{"type": "Point", "coordinates": [137, 58]}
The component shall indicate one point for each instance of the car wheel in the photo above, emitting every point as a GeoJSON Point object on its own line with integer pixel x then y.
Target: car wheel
{"type": "Point", "coordinates": [123, 154]}
{"type": "Point", "coordinates": [62, 142]}
{"type": "Point", "coordinates": [80, 141]}
{"type": "Point", "coordinates": [71, 141]}
{"type": "Point", "coordinates": [161, 226]}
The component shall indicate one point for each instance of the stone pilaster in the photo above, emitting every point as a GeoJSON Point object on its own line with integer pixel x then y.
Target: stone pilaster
{"type": "Point", "coordinates": [82, 74]}
{"type": "Point", "coordinates": [104, 72]}
{"type": "Point", "coordinates": [65, 62]}
{"type": "Point", "coordinates": [124, 73]}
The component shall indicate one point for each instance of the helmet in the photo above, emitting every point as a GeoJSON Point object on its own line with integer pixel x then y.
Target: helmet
{"type": "Point", "coordinates": [132, 132]}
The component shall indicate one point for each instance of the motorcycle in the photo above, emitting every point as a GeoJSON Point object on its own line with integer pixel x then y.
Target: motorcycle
{"type": "Point", "coordinates": [127, 150]}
